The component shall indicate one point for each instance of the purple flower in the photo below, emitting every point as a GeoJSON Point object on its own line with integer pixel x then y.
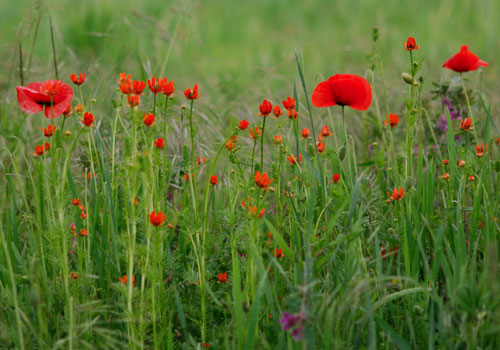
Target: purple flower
{"type": "Point", "coordinates": [288, 321]}
{"type": "Point", "coordinates": [443, 123]}
{"type": "Point", "coordinates": [454, 114]}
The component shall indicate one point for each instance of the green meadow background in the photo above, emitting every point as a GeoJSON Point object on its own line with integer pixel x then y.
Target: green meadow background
{"type": "Point", "coordinates": [240, 51]}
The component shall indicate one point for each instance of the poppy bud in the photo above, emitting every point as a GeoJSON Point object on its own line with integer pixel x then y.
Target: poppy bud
{"type": "Point", "coordinates": [407, 78]}
{"type": "Point", "coordinates": [342, 153]}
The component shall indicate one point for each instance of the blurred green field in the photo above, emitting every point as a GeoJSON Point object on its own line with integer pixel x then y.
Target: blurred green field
{"type": "Point", "coordinates": [241, 50]}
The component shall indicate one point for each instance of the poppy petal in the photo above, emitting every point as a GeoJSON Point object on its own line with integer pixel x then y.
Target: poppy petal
{"type": "Point", "coordinates": [27, 104]}
{"type": "Point", "coordinates": [322, 96]}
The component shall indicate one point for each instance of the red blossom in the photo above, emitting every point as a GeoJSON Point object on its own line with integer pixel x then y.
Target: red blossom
{"type": "Point", "coordinates": [343, 90]}
{"type": "Point", "coordinates": [157, 219]}
{"type": "Point", "coordinates": [159, 143]}
{"type": "Point", "coordinates": [52, 97]}
{"type": "Point", "coordinates": [78, 80]}
{"type": "Point", "coordinates": [411, 44]}
{"type": "Point", "coordinates": [464, 61]}
{"type": "Point", "coordinates": [192, 94]}
{"type": "Point", "coordinates": [265, 108]}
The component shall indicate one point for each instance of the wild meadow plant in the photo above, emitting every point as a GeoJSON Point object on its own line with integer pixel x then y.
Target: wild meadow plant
{"type": "Point", "coordinates": [278, 234]}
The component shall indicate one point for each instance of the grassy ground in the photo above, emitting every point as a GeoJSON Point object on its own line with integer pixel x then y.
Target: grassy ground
{"type": "Point", "coordinates": [359, 270]}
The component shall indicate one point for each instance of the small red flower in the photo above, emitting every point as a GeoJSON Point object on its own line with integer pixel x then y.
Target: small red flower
{"type": "Point", "coordinates": [83, 232]}
{"type": "Point", "coordinates": [83, 215]}
{"type": "Point", "coordinates": [138, 87]}
{"type": "Point", "coordinates": [265, 108]}
{"type": "Point", "coordinates": [67, 112]}
{"type": "Point", "coordinates": [155, 85]}
{"type": "Point", "coordinates": [255, 133]}
{"type": "Point", "coordinates": [293, 160]}
{"type": "Point", "coordinates": [336, 178]}
{"type": "Point", "coordinates": [262, 180]}
{"type": "Point", "coordinates": [88, 119]}
{"type": "Point", "coordinates": [74, 276]}
{"type": "Point", "coordinates": [411, 44]}
{"type": "Point", "coordinates": [159, 143]}
{"type": "Point", "coordinates": [39, 150]}
{"type": "Point", "coordinates": [292, 114]}
{"type": "Point", "coordinates": [126, 88]}
{"type": "Point", "coordinates": [325, 131]}
{"type": "Point", "coordinates": [124, 280]}
{"type": "Point", "coordinates": [277, 112]}
{"type": "Point", "coordinates": [157, 219]}
{"type": "Point", "coordinates": [397, 195]}
{"type": "Point", "coordinates": [52, 97]}
{"type": "Point", "coordinates": [230, 145]}
{"type": "Point", "coordinates": [305, 133]}
{"type": "Point", "coordinates": [321, 147]}
{"type": "Point", "coordinates": [464, 61]}
{"type": "Point", "coordinates": [392, 120]}
{"type": "Point", "coordinates": [136, 201]}
{"type": "Point", "coordinates": [213, 180]}
{"type": "Point", "coordinates": [133, 101]}
{"type": "Point", "coordinates": [278, 253]}
{"type": "Point", "coordinates": [222, 277]}
{"type": "Point", "coordinates": [481, 150]}
{"type": "Point", "coordinates": [461, 163]}
{"type": "Point", "coordinates": [78, 80]}
{"type": "Point", "coordinates": [192, 95]}
{"type": "Point", "coordinates": [446, 162]}
{"type": "Point", "coordinates": [445, 176]}
{"type": "Point", "coordinates": [78, 108]}
{"type": "Point", "coordinates": [343, 90]}
{"type": "Point", "coordinates": [148, 119]}
{"type": "Point", "coordinates": [75, 202]}
{"type": "Point", "coordinates": [472, 178]}
{"type": "Point", "coordinates": [466, 124]}
{"type": "Point", "coordinates": [167, 87]}
{"type": "Point", "coordinates": [49, 131]}
{"type": "Point", "coordinates": [261, 213]}
{"type": "Point", "coordinates": [289, 103]}
{"type": "Point", "coordinates": [243, 124]}
{"type": "Point", "coordinates": [124, 78]}
{"type": "Point", "coordinates": [278, 139]}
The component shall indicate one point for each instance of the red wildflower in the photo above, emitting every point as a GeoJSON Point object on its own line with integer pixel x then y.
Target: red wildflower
{"type": "Point", "coordinates": [192, 95]}
{"type": "Point", "coordinates": [230, 145]}
{"type": "Point", "coordinates": [305, 133]}
{"type": "Point", "coordinates": [88, 119]}
{"type": "Point", "coordinates": [392, 120]}
{"type": "Point", "coordinates": [445, 176]}
{"type": "Point", "coordinates": [498, 141]}
{"type": "Point", "coordinates": [255, 133]}
{"type": "Point", "coordinates": [265, 108]}
{"type": "Point", "coordinates": [278, 253]}
{"type": "Point", "coordinates": [67, 111]}
{"type": "Point", "coordinates": [138, 87]}
{"type": "Point", "coordinates": [292, 114]}
{"type": "Point", "coordinates": [52, 97]}
{"type": "Point", "coordinates": [277, 112]}
{"type": "Point", "coordinates": [168, 87]}
{"type": "Point", "coordinates": [136, 201]}
{"type": "Point", "coordinates": [133, 101]}
{"type": "Point", "coordinates": [75, 202]}
{"type": "Point", "coordinates": [461, 163]}
{"type": "Point", "coordinates": [148, 119]}
{"type": "Point", "coordinates": [39, 150]}
{"type": "Point", "coordinates": [123, 78]}
{"type": "Point", "coordinates": [293, 160]}
{"type": "Point", "coordinates": [155, 85]}
{"type": "Point", "coordinates": [343, 90]}
{"type": "Point", "coordinates": [325, 131]}
{"type": "Point", "coordinates": [186, 176]}
{"type": "Point", "coordinates": [157, 219]}
{"type": "Point", "coordinates": [74, 276]}
{"type": "Point", "coordinates": [159, 143]}
{"type": "Point", "coordinates": [213, 180]}
{"type": "Point", "coordinates": [481, 150]}
{"type": "Point", "coordinates": [321, 147]}
{"type": "Point", "coordinates": [472, 178]}
{"type": "Point", "coordinates": [83, 215]}
{"type": "Point", "coordinates": [124, 280]}
{"type": "Point", "coordinates": [243, 124]}
{"type": "Point", "coordinates": [78, 108]}
{"type": "Point", "coordinates": [411, 44]}
{"type": "Point", "coordinates": [446, 162]}
{"type": "Point", "coordinates": [222, 277]}
{"type": "Point", "coordinates": [464, 61]}
{"type": "Point", "coordinates": [289, 103]}
{"type": "Point", "coordinates": [278, 139]}
{"type": "Point", "coordinates": [84, 232]}
{"type": "Point", "coordinates": [466, 124]}
{"type": "Point", "coordinates": [397, 195]}
{"type": "Point", "coordinates": [78, 80]}
{"type": "Point", "coordinates": [199, 160]}
{"type": "Point", "coordinates": [261, 213]}
{"type": "Point", "coordinates": [336, 178]}
{"type": "Point", "coordinates": [49, 131]}
{"type": "Point", "coordinates": [262, 180]}
{"type": "Point", "coordinates": [126, 88]}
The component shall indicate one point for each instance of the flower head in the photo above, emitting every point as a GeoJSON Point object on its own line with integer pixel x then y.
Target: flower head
{"type": "Point", "coordinates": [52, 97]}
{"type": "Point", "coordinates": [255, 133]}
{"type": "Point", "coordinates": [392, 120]}
{"type": "Point", "coordinates": [124, 78]}
{"type": "Point", "coordinates": [262, 181]}
{"type": "Point", "coordinates": [277, 112]}
{"type": "Point", "coordinates": [305, 133]}
{"type": "Point", "coordinates": [278, 253]}
{"type": "Point", "coordinates": [336, 178]}
{"type": "Point", "coordinates": [192, 94]}
{"type": "Point", "coordinates": [157, 219]}
{"type": "Point", "coordinates": [148, 119]}
{"type": "Point", "coordinates": [213, 180]}
{"type": "Point", "coordinates": [88, 119]}
{"type": "Point", "coordinates": [155, 85]}
{"type": "Point", "coordinates": [464, 61]}
{"type": "Point", "coordinates": [243, 124]}
{"type": "Point", "coordinates": [472, 178]}
{"type": "Point", "coordinates": [397, 195]}
{"type": "Point", "coordinates": [411, 44]}
{"type": "Point", "coordinates": [278, 139]}
{"type": "Point", "coordinates": [222, 277]}
{"type": "Point", "coordinates": [481, 150]}
{"type": "Point", "coordinates": [49, 131]}
{"type": "Point", "coordinates": [321, 147]}
{"type": "Point", "coordinates": [265, 108]}
{"type": "Point", "coordinates": [124, 280]}
{"type": "Point", "coordinates": [343, 90]}
{"type": "Point", "coordinates": [466, 124]}
{"type": "Point", "coordinates": [293, 160]}
{"type": "Point", "coordinates": [325, 131]}
{"type": "Point", "coordinates": [78, 80]}
{"type": "Point", "coordinates": [289, 103]}
{"type": "Point", "coordinates": [133, 100]}
{"type": "Point", "coordinates": [167, 87]}
{"type": "Point", "coordinates": [159, 143]}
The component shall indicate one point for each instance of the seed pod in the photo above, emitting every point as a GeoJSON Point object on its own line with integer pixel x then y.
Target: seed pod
{"type": "Point", "coordinates": [407, 78]}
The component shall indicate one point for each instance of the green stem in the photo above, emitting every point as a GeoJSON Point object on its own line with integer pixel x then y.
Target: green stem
{"type": "Point", "coordinates": [262, 145]}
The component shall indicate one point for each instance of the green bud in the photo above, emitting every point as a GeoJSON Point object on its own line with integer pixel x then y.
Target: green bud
{"type": "Point", "coordinates": [407, 78]}
{"type": "Point", "coordinates": [342, 153]}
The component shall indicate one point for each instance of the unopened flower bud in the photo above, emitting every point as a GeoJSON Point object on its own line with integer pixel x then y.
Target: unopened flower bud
{"type": "Point", "coordinates": [407, 78]}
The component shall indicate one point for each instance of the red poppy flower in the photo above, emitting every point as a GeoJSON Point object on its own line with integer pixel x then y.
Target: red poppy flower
{"type": "Point", "coordinates": [159, 143]}
{"type": "Point", "coordinates": [343, 90]}
{"type": "Point", "coordinates": [278, 139]}
{"type": "Point", "coordinates": [222, 277]}
{"type": "Point", "coordinates": [464, 61]}
{"type": "Point", "coordinates": [397, 195]}
{"type": "Point", "coordinates": [78, 80]}
{"type": "Point", "coordinates": [167, 88]}
{"type": "Point", "coordinates": [265, 108]}
{"type": "Point", "coordinates": [52, 97]}
{"type": "Point", "coordinates": [289, 103]}
{"type": "Point", "coordinates": [155, 85]}
{"type": "Point", "coordinates": [192, 95]}
{"type": "Point", "coordinates": [277, 112]}
{"type": "Point", "coordinates": [325, 131]}
{"type": "Point", "coordinates": [336, 178]}
{"type": "Point", "coordinates": [243, 124]}
{"type": "Point", "coordinates": [148, 119]}
{"type": "Point", "coordinates": [88, 119]}
{"type": "Point", "coordinates": [262, 180]}
{"type": "Point", "coordinates": [411, 44]}
{"type": "Point", "coordinates": [481, 150]}
{"type": "Point", "coordinates": [157, 219]}
{"type": "Point", "coordinates": [213, 180]}
{"type": "Point", "coordinates": [49, 131]}
{"type": "Point", "coordinates": [392, 120]}
{"type": "Point", "coordinates": [133, 101]}
{"type": "Point", "coordinates": [305, 133]}
{"type": "Point", "coordinates": [124, 280]}
{"type": "Point", "coordinates": [466, 124]}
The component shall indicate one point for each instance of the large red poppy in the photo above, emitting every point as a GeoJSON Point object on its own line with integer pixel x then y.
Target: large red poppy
{"type": "Point", "coordinates": [343, 90]}
{"type": "Point", "coordinates": [464, 61]}
{"type": "Point", "coordinates": [52, 97]}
